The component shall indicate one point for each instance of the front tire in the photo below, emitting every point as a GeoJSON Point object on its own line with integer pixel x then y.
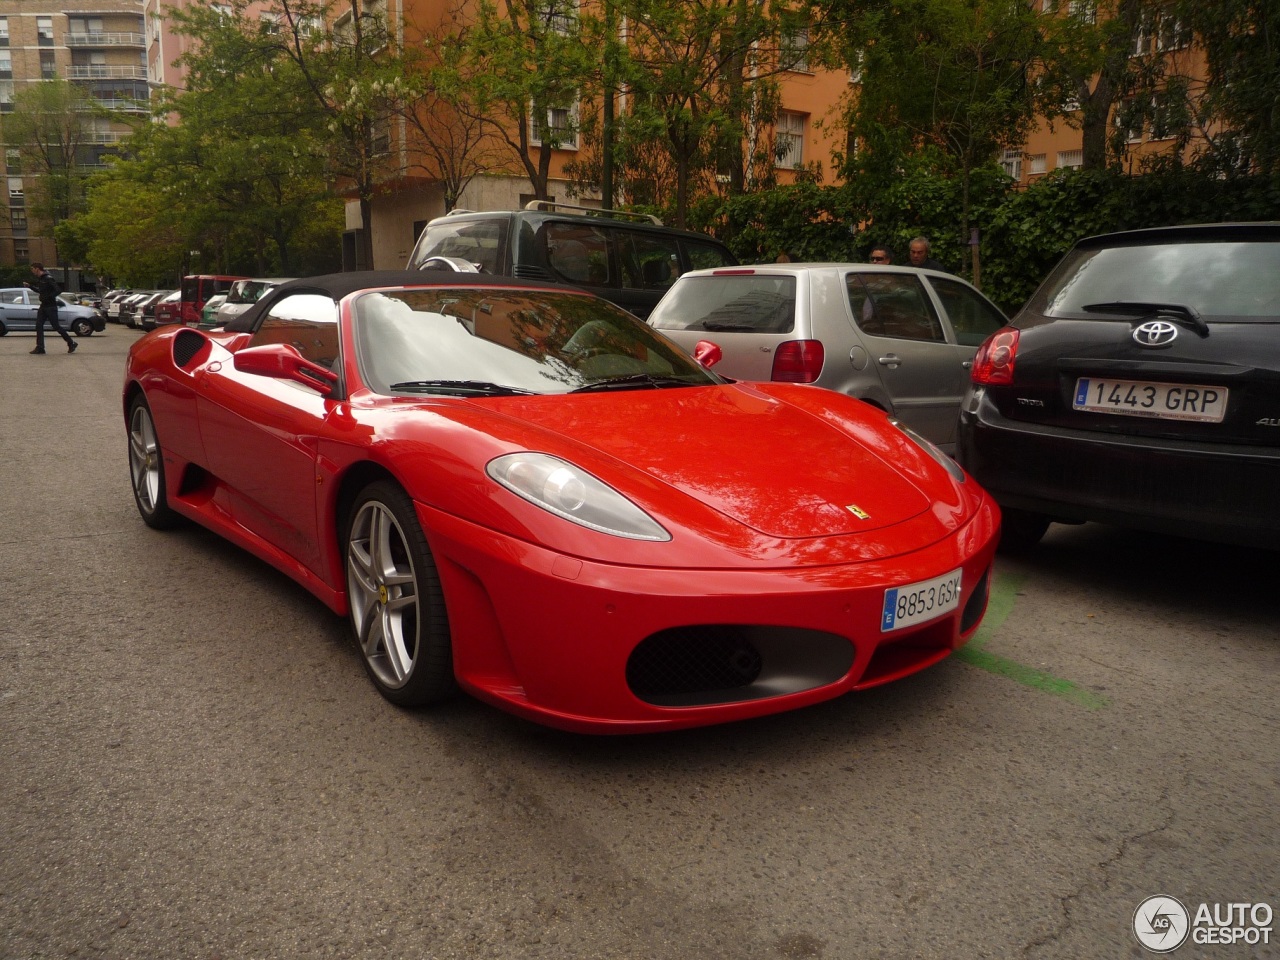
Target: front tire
{"type": "Point", "coordinates": [82, 328]}
{"type": "Point", "coordinates": [397, 606]}
{"type": "Point", "coordinates": [146, 468]}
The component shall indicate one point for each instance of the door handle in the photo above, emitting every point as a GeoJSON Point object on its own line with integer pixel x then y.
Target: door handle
{"type": "Point", "coordinates": [967, 364]}
{"type": "Point", "coordinates": [891, 361]}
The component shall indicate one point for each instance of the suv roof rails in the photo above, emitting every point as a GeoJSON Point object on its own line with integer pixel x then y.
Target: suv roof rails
{"type": "Point", "coordinates": [595, 211]}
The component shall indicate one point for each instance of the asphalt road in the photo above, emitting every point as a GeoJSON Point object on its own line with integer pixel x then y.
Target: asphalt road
{"type": "Point", "coordinates": [193, 764]}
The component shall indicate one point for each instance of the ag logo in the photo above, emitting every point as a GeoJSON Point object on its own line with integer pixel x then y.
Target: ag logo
{"type": "Point", "coordinates": [1155, 333]}
{"type": "Point", "coordinates": [1161, 924]}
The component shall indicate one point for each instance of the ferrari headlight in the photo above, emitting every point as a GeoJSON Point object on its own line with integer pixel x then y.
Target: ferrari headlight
{"type": "Point", "coordinates": [572, 493]}
{"type": "Point", "coordinates": [947, 463]}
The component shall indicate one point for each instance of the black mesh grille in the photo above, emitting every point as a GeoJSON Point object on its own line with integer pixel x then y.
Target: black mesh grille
{"type": "Point", "coordinates": [977, 604]}
{"type": "Point", "coordinates": [186, 345]}
{"type": "Point", "coordinates": [692, 660]}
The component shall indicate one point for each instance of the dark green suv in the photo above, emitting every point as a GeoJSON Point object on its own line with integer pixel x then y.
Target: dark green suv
{"type": "Point", "coordinates": [628, 259]}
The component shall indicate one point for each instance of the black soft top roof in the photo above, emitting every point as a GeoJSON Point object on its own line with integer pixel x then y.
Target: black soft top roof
{"type": "Point", "coordinates": [339, 285]}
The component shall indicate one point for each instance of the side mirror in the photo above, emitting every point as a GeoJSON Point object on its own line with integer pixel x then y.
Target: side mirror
{"type": "Point", "coordinates": [282, 361]}
{"type": "Point", "coordinates": [707, 353]}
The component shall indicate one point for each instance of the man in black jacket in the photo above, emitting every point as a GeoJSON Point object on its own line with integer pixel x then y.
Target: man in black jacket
{"type": "Point", "coordinates": [47, 287]}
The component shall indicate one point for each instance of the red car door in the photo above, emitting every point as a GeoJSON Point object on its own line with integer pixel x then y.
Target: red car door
{"type": "Point", "coordinates": [261, 434]}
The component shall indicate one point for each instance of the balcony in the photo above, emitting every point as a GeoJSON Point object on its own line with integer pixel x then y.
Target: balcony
{"type": "Point", "coordinates": [98, 71]}
{"type": "Point", "coordinates": [106, 40]}
{"type": "Point", "coordinates": [120, 103]}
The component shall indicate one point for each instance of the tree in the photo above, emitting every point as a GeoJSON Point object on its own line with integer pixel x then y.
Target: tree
{"type": "Point", "coordinates": [1241, 43]}
{"type": "Point", "coordinates": [952, 78]}
{"type": "Point", "coordinates": [249, 156]}
{"type": "Point", "coordinates": [52, 126]}
{"type": "Point", "coordinates": [522, 70]}
{"type": "Point", "coordinates": [334, 67]}
{"type": "Point", "coordinates": [699, 84]}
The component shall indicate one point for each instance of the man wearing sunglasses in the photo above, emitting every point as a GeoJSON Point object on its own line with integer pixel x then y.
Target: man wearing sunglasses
{"type": "Point", "coordinates": [881, 255]}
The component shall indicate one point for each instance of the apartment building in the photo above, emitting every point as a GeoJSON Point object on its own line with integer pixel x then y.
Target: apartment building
{"type": "Point", "coordinates": [1153, 127]}
{"type": "Point", "coordinates": [98, 44]}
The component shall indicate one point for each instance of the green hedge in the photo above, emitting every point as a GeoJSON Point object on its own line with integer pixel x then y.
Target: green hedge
{"type": "Point", "coordinates": [1022, 233]}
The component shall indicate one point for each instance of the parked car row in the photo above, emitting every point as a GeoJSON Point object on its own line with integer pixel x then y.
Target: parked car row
{"type": "Point", "coordinates": [781, 429]}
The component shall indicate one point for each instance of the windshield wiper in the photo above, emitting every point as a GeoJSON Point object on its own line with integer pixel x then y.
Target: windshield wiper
{"type": "Point", "coordinates": [460, 388]}
{"type": "Point", "coordinates": [1142, 309]}
{"type": "Point", "coordinates": [633, 382]}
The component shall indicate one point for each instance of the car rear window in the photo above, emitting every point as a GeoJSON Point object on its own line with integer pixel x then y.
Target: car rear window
{"type": "Point", "coordinates": [476, 241]}
{"type": "Point", "coordinates": [1219, 279]}
{"type": "Point", "coordinates": [739, 304]}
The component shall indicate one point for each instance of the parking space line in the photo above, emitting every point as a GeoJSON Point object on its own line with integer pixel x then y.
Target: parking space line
{"type": "Point", "coordinates": [1004, 591]}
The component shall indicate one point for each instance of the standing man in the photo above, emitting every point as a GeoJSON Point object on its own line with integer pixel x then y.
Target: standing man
{"type": "Point", "coordinates": [882, 255]}
{"type": "Point", "coordinates": [48, 290]}
{"type": "Point", "coordinates": [919, 253]}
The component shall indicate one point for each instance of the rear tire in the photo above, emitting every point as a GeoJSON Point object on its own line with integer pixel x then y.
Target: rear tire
{"type": "Point", "coordinates": [1021, 530]}
{"type": "Point", "coordinates": [398, 615]}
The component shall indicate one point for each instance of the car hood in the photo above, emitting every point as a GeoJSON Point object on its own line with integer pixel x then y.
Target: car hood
{"type": "Point", "coordinates": [753, 457]}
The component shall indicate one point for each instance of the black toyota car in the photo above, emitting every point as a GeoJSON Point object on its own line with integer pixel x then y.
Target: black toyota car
{"type": "Point", "coordinates": [1139, 386]}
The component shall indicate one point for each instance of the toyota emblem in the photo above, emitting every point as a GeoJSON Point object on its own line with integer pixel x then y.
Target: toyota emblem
{"type": "Point", "coordinates": [1155, 333]}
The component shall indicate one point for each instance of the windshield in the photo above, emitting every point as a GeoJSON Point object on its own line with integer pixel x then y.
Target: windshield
{"type": "Point", "coordinates": [464, 340]}
{"type": "Point", "coordinates": [1218, 279]}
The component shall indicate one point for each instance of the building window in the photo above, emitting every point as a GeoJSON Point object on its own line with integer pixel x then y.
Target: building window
{"type": "Point", "coordinates": [4, 31]}
{"type": "Point", "coordinates": [559, 127]}
{"type": "Point", "coordinates": [1141, 37]}
{"type": "Point", "coordinates": [1128, 121]}
{"type": "Point", "coordinates": [1084, 10]}
{"type": "Point", "coordinates": [6, 95]}
{"type": "Point", "coordinates": [1173, 33]}
{"type": "Point", "coordinates": [18, 217]}
{"type": "Point", "coordinates": [48, 65]}
{"type": "Point", "coordinates": [80, 26]}
{"type": "Point", "coordinates": [1011, 161]}
{"type": "Point", "coordinates": [795, 50]}
{"type": "Point", "coordinates": [1168, 115]}
{"type": "Point", "coordinates": [44, 30]}
{"type": "Point", "coordinates": [6, 64]}
{"type": "Point", "coordinates": [13, 160]}
{"type": "Point", "coordinates": [788, 143]}
{"type": "Point", "coordinates": [1070, 159]}
{"type": "Point", "coordinates": [1037, 164]}
{"type": "Point", "coordinates": [16, 196]}
{"type": "Point", "coordinates": [855, 66]}
{"type": "Point", "coordinates": [557, 16]}
{"type": "Point", "coordinates": [21, 252]}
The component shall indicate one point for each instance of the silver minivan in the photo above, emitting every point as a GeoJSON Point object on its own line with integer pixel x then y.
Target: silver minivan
{"type": "Point", "coordinates": [900, 338]}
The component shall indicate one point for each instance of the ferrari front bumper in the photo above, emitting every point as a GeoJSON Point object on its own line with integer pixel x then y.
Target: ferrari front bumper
{"type": "Point", "coordinates": [604, 648]}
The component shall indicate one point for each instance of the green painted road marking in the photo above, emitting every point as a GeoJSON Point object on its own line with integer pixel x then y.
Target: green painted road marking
{"type": "Point", "coordinates": [1004, 590]}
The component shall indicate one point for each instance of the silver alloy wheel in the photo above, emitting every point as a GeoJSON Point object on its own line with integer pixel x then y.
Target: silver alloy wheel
{"type": "Point", "coordinates": [144, 459]}
{"type": "Point", "coordinates": [383, 591]}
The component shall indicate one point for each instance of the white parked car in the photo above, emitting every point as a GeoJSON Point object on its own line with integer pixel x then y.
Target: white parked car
{"type": "Point", "coordinates": [244, 294]}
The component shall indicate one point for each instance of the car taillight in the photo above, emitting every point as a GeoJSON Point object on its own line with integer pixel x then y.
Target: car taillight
{"type": "Point", "coordinates": [993, 363]}
{"type": "Point", "coordinates": [797, 361]}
